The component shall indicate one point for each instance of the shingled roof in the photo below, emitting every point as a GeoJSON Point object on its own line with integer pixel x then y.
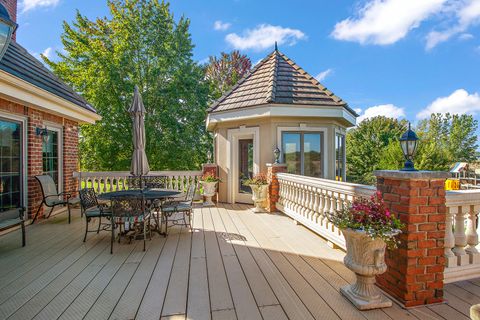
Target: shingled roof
{"type": "Point", "coordinates": [277, 80]}
{"type": "Point", "coordinates": [19, 63]}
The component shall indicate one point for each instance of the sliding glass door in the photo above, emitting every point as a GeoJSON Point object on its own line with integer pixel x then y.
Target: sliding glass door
{"type": "Point", "coordinates": [303, 153]}
{"type": "Point", "coordinates": [11, 155]}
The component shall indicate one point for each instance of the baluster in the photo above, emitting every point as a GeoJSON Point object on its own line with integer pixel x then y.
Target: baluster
{"type": "Point", "coordinates": [460, 237]}
{"type": "Point", "coordinates": [182, 182]}
{"type": "Point", "coordinates": [321, 205]}
{"type": "Point", "coordinates": [333, 203]}
{"type": "Point", "coordinates": [315, 205]}
{"type": "Point", "coordinates": [472, 236]}
{"type": "Point", "coordinates": [449, 240]}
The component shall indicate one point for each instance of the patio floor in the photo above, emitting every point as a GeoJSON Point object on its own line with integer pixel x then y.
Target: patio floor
{"type": "Point", "coordinates": [235, 265]}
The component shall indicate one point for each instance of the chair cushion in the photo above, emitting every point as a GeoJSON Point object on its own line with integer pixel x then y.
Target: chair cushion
{"type": "Point", "coordinates": [177, 206]}
{"type": "Point", "coordinates": [96, 212]}
{"type": "Point", "coordinates": [9, 223]}
{"type": "Point", "coordinates": [74, 201]}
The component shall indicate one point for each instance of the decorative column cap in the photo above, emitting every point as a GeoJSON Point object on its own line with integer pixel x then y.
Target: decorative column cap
{"type": "Point", "coordinates": [209, 165]}
{"type": "Point", "coordinates": [419, 175]}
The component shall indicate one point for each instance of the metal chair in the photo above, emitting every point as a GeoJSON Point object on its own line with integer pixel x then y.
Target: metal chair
{"type": "Point", "coordinates": [93, 209]}
{"type": "Point", "coordinates": [185, 206]}
{"type": "Point", "coordinates": [52, 198]}
{"type": "Point", "coordinates": [129, 211]}
{"type": "Point", "coordinates": [12, 218]}
{"type": "Point", "coordinates": [156, 182]}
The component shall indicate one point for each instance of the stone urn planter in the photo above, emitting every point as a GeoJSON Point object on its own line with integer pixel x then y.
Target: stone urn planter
{"type": "Point", "coordinates": [366, 258]}
{"type": "Point", "coordinates": [259, 196]}
{"type": "Point", "coordinates": [209, 190]}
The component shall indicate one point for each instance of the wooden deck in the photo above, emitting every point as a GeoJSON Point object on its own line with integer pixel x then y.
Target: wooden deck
{"type": "Point", "coordinates": [235, 265]}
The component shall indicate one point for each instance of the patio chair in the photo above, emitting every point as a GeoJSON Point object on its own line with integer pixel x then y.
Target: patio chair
{"type": "Point", "coordinates": [156, 182]}
{"type": "Point", "coordinates": [185, 207]}
{"type": "Point", "coordinates": [93, 209]}
{"type": "Point", "coordinates": [12, 218]}
{"type": "Point", "coordinates": [129, 212]}
{"type": "Point", "coordinates": [52, 198]}
{"type": "Point", "coordinates": [135, 182]}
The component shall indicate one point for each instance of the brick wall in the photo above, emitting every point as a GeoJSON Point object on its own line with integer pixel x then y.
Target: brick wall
{"type": "Point", "coordinates": [37, 118]}
{"type": "Point", "coordinates": [415, 269]}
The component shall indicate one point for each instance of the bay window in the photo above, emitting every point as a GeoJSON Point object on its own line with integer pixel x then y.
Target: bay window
{"type": "Point", "coordinates": [303, 153]}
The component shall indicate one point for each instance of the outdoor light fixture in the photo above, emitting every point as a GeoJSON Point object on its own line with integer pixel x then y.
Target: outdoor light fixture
{"type": "Point", "coordinates": [276, 153]}
{"type": "Point", "coordinates": [409, 143]}
{"type": "Point", "coordinates": [41, 131]}
{"type": "Point", "coordinates": [209, 156]}
{"type": "Point", "coordinates": [7, 28]}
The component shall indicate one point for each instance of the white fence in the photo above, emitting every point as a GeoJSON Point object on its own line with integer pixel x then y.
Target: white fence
{"type": "Point", "coordinates": [118, 180]}
{"type": "Point", "coordinates": [310, 200]}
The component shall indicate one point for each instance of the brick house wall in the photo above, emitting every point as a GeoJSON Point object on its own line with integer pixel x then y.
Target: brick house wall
{"type": "Point", "coordinates": [37, 118]}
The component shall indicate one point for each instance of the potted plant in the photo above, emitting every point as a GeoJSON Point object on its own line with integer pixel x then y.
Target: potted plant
{"type": "Point", "coordinates": [259, 185]}
{"type": "Point", "coordinates": [209, 183]}
{"type": "Point", "coordinates": [368, 227]}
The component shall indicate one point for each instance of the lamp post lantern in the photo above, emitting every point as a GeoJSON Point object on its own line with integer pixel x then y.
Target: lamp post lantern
{"type": "Point", "coordinates": [276, 154]}
{"type": "Point", "coordinates": [7, 28]}
{"type": "Point", "coordinates": [409, 144]}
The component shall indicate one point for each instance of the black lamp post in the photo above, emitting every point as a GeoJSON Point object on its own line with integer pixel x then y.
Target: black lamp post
{"type": "Point", "coordinates": [7, 28]}
{"type": "Point", "coordinates": [409, 143]}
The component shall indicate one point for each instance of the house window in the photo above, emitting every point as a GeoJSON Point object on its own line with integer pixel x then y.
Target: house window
{"type": "Point", "coordinates": [302, 152]}
{"type": "Point", "coordinates": [11, 144]}
{"type": "Point", "coordinates": [339, 157]}
{"type": "Point", "coordinates": [50, 155]}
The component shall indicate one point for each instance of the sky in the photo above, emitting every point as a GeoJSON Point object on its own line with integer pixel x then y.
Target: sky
{"type": "Point", "coordinates": [399, 58]}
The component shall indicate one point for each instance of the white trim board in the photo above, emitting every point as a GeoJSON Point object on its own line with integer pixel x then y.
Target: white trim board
{"type": "Point", "coordinates": [232, 155]}
{"type": "Point", "coordinates": [280, 111]}
{"type": "Point", "coordinates": [304, 128]}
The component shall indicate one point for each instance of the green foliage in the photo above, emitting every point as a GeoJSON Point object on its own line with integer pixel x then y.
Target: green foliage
{"type": "Point", "coordinates": [141, 44]}
{"type": "Point", "coordinates": [366, 145]}
{"type": "Point", "coordinates": [224, 72]}
{"type": "Point", "coordinates": [444, 140]}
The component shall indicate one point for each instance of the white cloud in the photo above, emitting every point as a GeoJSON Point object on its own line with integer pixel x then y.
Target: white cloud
{"type": "Point", "coordinates": [385, 22]}
{"type": "Point", "coordinates": [264, 36]}
{"type": "Point", "coordinates": [386, 110]}
{"type": "Point", "coordinates": [467, 13]}
{"type": "Point", "coordinates": [27, 5]}
{"type": "Point", "coordinates": [221, 26]}
{"type": "Point", "coordinates": [358, 110]}
{"type": "Point", "coordinates": [322, 75]}
{"type": "Point", "coordinates": [465, 36]}
{"type": "Point", "coordinates": [459, 102]}
{"type": "Point", "coordinates": [48, 52]}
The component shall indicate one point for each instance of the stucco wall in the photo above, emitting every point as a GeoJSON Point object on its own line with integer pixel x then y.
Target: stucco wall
{"type": "Point", "coordinates": [268, 142]}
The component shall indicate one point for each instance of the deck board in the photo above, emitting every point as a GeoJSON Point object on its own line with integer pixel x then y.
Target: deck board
{"type": "Point", "coordinates": [234, 265]}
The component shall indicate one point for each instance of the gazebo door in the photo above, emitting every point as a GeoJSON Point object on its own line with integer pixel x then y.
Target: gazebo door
{"type": "Point", "coordinates": [245, 169]}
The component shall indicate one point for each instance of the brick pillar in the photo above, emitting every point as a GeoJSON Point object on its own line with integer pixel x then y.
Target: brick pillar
{"type": "Point", "coordinates": [211, 168]}
{"type": "Point", "coordinates": [415, 269]}
{"type": "Point", "coordinates": [273, 185]}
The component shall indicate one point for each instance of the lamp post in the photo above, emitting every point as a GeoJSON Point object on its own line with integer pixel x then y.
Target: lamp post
{"type": "Point", "coordinates": [409, 143]}
{"type": "Point", "coordinates": [7, 28]}
{"type": "Point", "coordinates": [276, 154]}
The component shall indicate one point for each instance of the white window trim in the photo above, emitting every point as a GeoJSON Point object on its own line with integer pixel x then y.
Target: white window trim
{"type": "Point", "coordinates": [58, 128]}
{"type": "Point", "coordinates": [233, 136]}
{"type": "Point", "coordinates": [24, 121]}
{"type": "Point", "coordinates": [341, 132]}
{"type": "Point", "coordinates": [304, 128]}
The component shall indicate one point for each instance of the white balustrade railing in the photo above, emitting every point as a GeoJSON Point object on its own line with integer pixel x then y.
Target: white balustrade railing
{"type": "Point", "coordinates": [461, 235]}
{"type": "Point", "coordinates": [118, 180]}
{"type": "Point", "coordinates": [310, 200]}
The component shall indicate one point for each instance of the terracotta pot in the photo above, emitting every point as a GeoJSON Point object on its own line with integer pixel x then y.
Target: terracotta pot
{"type": "Point", "coordinates": [259, 195]}
{"type": "Point", "coordinates": [209, 190]}
{"type": "Point", "coordinates": [366, 258]}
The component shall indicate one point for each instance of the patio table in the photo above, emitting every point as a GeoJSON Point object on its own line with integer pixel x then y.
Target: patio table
{"type": "Point", "coordinates": [150, 196]}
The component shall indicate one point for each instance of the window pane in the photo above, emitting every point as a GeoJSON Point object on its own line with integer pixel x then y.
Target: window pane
{"type": "Point", "coordinates": [10, 159]}
{"type": "Point", "coordinates": [312, 154]}
{"type": "Point", "coordinates": [50, 155]}
{"type": "Point", "coordinates": [245, 165]}
{"type": "Point", "coordinates": [291, 152]}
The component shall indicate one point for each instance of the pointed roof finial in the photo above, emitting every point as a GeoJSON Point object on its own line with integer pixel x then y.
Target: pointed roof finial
{"type": "Point", "coordinates": [276, 47]}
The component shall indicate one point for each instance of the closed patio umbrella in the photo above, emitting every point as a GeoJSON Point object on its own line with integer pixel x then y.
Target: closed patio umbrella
{"type": "Point", "coordinates": [139, 166]}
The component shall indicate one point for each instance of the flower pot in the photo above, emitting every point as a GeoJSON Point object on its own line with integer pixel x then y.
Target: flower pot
{"type": "Point", "coordinates": [259, 195]}
{"type": "Point", "coordinates": [366, 258]}
{"type": "Point", "coordinates": [209, 190]}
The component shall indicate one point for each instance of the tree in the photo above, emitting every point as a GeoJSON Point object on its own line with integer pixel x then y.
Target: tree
{"type": "Point", "coordinates": [141, 44]}
{"type": "Point", "coordinates": [224, 72]}
{"type": "Point", "coordinates": [366, 146]}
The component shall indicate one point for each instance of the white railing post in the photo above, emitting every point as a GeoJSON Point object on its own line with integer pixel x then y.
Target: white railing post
{"type": "Point", "coordinates": [460, 237]}
{"type": "Point", "coordinates": [449, 240]}
{"type": "Point", "coordinates": [472, 236]}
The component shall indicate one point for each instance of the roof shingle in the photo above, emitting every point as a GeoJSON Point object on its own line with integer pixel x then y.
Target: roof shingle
{"type": "Point", "coordinates": [19, 63]}
{"type": "Point", "coordinates": [277, 80]}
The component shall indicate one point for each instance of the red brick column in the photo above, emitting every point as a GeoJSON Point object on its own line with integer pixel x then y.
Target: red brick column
{"type": "Point", "coordinates": [70, 156]}
{"type": "Point", "coordinates": [273, 185]}
{"type": "Point", "coordinates": [415, 269]}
